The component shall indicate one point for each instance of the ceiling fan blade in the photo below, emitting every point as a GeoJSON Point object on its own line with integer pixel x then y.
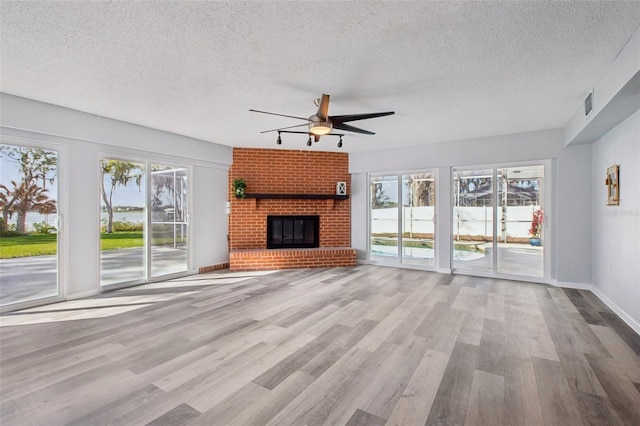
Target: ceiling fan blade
{"type": "Point", "coordinates": [280, 115]}
{"type": "Point", "coordinates": [282, 128]}
{"type": "Point", "coordinates": [323, 108]}
{"type": "Point", "coordinates": [349, 128]}
{"type": "Point", "coordinates": [354, 117]}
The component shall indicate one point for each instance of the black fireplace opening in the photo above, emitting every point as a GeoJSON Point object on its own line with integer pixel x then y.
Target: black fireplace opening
{"type": "Point", "coordinates": [293, 232]}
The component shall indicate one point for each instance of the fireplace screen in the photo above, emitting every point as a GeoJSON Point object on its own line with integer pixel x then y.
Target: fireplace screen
{"type": "Point", "coordinates": [293, 231]}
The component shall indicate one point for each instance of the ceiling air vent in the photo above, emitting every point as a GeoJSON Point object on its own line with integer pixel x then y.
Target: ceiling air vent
{"type": "Point", "coordinates": [588, 104]}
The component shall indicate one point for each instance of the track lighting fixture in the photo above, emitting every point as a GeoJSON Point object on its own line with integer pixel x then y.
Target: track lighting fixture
{"type": "Point", "coordinates": [310, 135]}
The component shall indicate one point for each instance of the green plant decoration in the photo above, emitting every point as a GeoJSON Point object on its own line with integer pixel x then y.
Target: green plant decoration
{"type": "Point", "coordinates": [239, 188]}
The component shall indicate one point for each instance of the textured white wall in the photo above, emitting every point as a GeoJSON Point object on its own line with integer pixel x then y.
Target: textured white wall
{"type": "Point", "coordinates": [359, 213]}
{"type": "Point", "coordinates": [210, 186]}
{"type": "Point", "coordinates": [573, 220]}
{"type": "Point", "coordinates": [84, 138]}
{"type": "Point", "coordinates": [616, 229]}
{"type": "Point", "coordinates": [444, 219]}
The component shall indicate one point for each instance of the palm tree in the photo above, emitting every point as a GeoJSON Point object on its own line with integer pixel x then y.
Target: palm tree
{"type": "Point", "coordinates": [7, 201]}
{"type": "Point", "coordinates": [37, 168]}
{"type": "Point", "coordinates": [30, 197]}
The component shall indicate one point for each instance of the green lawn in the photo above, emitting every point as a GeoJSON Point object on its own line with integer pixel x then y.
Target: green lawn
{"type": "Point", "coordinates": [27, 245]}
{"type": "Point", "coordinates": [119, 240]}
{"type": "Point", "coordinates": [43, 244]}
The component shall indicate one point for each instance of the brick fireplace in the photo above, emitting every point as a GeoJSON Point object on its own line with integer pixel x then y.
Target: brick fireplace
{"type": "Point", "coordinates": [289, 183]}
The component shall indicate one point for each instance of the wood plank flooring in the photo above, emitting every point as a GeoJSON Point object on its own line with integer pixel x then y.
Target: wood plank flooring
{"type": "Point", "coordinates": [345, 346]}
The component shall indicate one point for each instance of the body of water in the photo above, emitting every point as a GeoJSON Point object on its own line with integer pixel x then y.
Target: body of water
{"type": "Point", "coordinates": [52, 219]}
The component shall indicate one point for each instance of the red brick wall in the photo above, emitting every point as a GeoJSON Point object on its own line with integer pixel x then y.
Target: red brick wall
{"type": "Point", "coordinates": [271, 171]}
{"type": "Point", "coordinates": [274, 171]}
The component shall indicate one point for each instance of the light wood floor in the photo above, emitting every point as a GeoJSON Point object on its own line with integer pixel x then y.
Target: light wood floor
{"type": "Point", "coordinates": [361, 346]}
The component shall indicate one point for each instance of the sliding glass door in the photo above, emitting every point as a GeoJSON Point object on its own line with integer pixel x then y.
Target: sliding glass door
{"type": "Point", "coordinates": [402, 233]}
{"type": "Point", "coordinates": [497, 212]}
{"type": "Point", "coordinates": [122, 222]}
{"type": "Point", "coordinates": [384, 214]}
{"type": "Point", "coordinates": [418, 229]}
{"type": "Point", "coordinates": [30, 224]}
{"type": "Point", "coordinates": [169, 219]}
{"type": "Point", "coordinates": [473, 220]}
{"type": "Point", "coordinates": [519, 206]}
{"type": "Point", "coordinates": [144, 221]}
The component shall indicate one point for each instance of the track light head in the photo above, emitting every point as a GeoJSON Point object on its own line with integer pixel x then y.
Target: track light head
{"type": "Point", "coordinates": [309, 141]}
{"type": "Point", "coordinates": [279, 141]}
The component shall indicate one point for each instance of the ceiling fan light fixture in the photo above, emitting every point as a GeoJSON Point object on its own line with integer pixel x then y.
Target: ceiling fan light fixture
{"type": "Point", "coordinates": [320, 128]}
{"type": "Point", "coordinates": [321, 123]}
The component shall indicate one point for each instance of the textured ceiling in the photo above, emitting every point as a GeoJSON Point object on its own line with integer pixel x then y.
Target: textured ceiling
{"type": "Point", "coordinates": [450, 70]}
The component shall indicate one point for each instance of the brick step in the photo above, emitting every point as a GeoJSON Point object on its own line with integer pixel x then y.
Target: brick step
{"type": "Point", "coordinates": [271, 259]}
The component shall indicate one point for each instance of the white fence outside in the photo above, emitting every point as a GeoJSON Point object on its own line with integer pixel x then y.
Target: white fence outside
{"type": "Point", "coordinates": [418, 220]}
{"type": "Point", "coordinates": [466, 220]}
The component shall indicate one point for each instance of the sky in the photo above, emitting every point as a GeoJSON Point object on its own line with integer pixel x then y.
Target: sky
{"type": "Point", "coordinates": [130, 195]}
{"type": "Point", "coordinates": [10, 171]}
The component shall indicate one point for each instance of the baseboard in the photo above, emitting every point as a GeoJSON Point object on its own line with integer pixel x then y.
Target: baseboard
{"type": "Point", "coordinates": [211, 268]}
{"type": "Point", "coordinates": [567, 284]}
{"type": "Point", "coordinates": [615, 308]}
{"type": "Point", "coordinates": [444, 271]}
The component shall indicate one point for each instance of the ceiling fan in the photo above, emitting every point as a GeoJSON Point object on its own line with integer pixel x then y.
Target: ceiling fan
{"type": "Point", "coordinates": [321, 123]}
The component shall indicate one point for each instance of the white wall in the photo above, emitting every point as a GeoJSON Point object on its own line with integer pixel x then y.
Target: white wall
{"type": "Point", "coordinates": [573, 221]}
{"type": "Point", "coordinates": [444, 219]}
{"type": "Point", "coordinates": [209, 219]}
{"type": "Point", "coordinates": [359, 213]}
{"type": "Point", "coordinates": [490, 150]}
{"type": "Point", "coordinates": [569, 186]}
{"type": "Point", "coordinates": [616, 229]}
{"type": "Point", "coordinates": [83, 138]}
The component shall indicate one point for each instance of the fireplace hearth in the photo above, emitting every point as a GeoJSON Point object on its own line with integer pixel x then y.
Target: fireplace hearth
{"type": "Point", "coordinates": [293, 232]}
